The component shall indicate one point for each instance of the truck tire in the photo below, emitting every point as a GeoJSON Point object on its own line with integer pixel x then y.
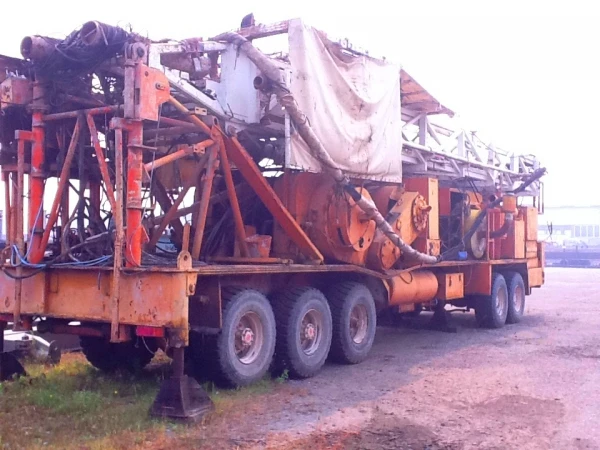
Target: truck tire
{"type": "Point", "coordinates": [516, 297]}
{"type": "Point", "coordinates": [304, 331]}
{"type": "Point", "coordinates": [245, 346]}
{"type": "Point", "coordinates": [491, 310]}
{"type": "Point", "coordinates": [132, 355]}
{"type": "Point", "coordinates": [354, 322]}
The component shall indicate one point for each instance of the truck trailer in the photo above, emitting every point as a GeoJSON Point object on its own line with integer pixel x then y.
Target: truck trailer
{"type": "Point", "coordinates": [246, 211]}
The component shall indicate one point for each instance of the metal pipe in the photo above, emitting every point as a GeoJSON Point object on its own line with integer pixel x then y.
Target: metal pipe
{"type": "Point", "coordinates": [38, 47]}
{"type": "Point", "coordinates": [204, 201]}
{"type": "Point", "coordinates": [15, 213]}
{"type": "Point", "coordinates": [191, 118]}
{"type": "Point", "coordinates": [36, 183]}
{"type": "Point", "coordinates": [92, 103]}
{"type": "Point", "coordinates": [170, 131]}
{"type": "Point", "coordinates": [88, 112]}
{"type": "Point", "coordinates": [95, 200]}
{"type": "Point", "coordinates": [101, 157]}
{"type": "Point", "coordinates": [233, 200]}
{"type": "Point", "coordinates": [37, 252]}
{"type": "Point", "coordinates": [181, 123]}
{"type": "Point", "coordinates": [133, 250]}
{"type": "Point", "coordinates": [118, 256]}
{"type": "Point", "coordinates": [19, 232]}
{"type": "Point", "coordinates": [8, 207]}
{"type": "Point", "coordinates": [64, 217]}
{"type": "Point", "coordinates": [149, 167]}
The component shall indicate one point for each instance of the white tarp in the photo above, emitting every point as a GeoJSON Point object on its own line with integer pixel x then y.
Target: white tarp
{"type": "Point", "coordinates": [353, 104]}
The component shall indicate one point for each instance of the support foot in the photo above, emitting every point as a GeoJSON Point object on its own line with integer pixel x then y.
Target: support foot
{"type": "Point", "coordinates": [181, 397]}
{"type": "Point", "coordinates": [440, 320]}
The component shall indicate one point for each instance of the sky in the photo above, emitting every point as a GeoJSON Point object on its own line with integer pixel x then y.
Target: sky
{"type": "Point", "coordinates": [525, 73]}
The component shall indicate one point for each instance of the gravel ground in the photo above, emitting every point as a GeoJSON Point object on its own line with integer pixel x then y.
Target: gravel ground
{"type": "Point", "coordinates": [534, 385]}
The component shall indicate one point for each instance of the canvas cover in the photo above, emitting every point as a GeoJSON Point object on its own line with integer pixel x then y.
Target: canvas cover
{"type": "Point", "coordinates": [352, 103]}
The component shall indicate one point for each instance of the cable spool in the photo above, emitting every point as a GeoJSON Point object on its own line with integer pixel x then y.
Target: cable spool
{"type": "Point", "coordinates": [477, 244]}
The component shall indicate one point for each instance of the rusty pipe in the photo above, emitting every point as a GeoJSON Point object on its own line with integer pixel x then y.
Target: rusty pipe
{"type": "Point", "coordinates": [38, 47]}
{"type": "Point", "coordinates": [190, 150]}
{"type": "Point", "coordinates": [198, 66]}
{"type": "Point", "coordinates": [119, 237]}
{"type": "Point", "coordinates": [88, 112]}
{"type": "Point", "coordinates": [233, 200]}
{"type": "Point", "coordinates": [262, 83]}
{"type": "Point", "coordinates": [8, 207]}
{"type": "Point", "coordinates": [36, 183]}
{"type": "Point", "coordinates": [101, 158]}
{"type": "Point", "coordinates": [37, 251]}
{"type": "Point", "coordinates": [135, 165]}
{"type": "Point", "coordinates": [211, 166]}
{"type": "Point", "coordinates": [181, 108]}
{"type": "Point", "coordinates": [150, 135]}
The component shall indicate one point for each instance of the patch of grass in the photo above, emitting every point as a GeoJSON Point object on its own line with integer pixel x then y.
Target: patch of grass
{"type": "Point", "coordinates": [72, 405]}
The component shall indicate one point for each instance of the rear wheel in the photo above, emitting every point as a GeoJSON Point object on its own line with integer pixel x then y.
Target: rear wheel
{"type": "Point", "coordinates": [491, 310]}
{"type": "Point", "coordinates": [106, 356]}
{"type": "Point", "coordinates": [245, 346]}
{"type": "Point", "coordinates": [354, 322]}
{"type": "Point", "coordinates": [516, 297]}
{"type": "Point", "coordinates": [304, 331]}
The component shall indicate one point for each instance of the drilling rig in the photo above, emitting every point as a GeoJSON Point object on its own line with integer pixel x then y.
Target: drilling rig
{"type": "Point", "coordinates": [245, 211]}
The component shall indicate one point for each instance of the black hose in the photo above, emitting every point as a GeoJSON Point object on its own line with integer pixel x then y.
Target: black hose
{"type": "Point", "coordinates": [84, 49]}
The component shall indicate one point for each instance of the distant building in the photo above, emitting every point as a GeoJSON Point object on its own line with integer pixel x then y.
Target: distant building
{"type": "Point", "coordinates": [571, 226]}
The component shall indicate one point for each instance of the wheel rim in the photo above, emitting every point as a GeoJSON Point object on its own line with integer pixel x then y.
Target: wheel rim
{"type": "Point", "coordinates": [249, 338]}
{"type": "Point", "coordinates": [359, 322]}
{"type": "Point", "coordinates": [519, 298]}
{"type": "Point", "coordinates": [501, 302]}
{"type": "Point", "coordinates": [311, 331]}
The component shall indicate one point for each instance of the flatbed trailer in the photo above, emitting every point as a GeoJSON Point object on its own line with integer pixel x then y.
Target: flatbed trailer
{"type": "Point", "coordinates": [292, 240]}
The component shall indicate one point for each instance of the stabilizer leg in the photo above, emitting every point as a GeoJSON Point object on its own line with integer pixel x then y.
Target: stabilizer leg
{"type": "Point", "coordinates": [440, 320]}
{"type": "Point", "coordinates": [181, 397]}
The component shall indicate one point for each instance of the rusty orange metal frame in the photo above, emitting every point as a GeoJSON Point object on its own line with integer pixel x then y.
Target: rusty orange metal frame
{"type": "Point", "coordinates": [243, 161]}
{"type": "Point", "coordinates": [233, 200]}
{"type": "Point", "coordinates": [119, 237]}
{"type": "Point", "coordinates": [207, 182]}
{"type": "Point", "coordinates": [36, 187]}
{"type": "Point", "coordinates": [171, 213]}
{"type": "Point", "coordinates": [100, 156]}
{"type": "Point", "coordinates": [88, 295]}
{"type": "Point", "coordinates": [37, 252]}
{"type": "Point", "coordinates": [172, 157]}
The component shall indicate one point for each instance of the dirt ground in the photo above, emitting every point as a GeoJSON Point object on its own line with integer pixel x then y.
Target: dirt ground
{"type": "Point", "coordinates": [535, 385]}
